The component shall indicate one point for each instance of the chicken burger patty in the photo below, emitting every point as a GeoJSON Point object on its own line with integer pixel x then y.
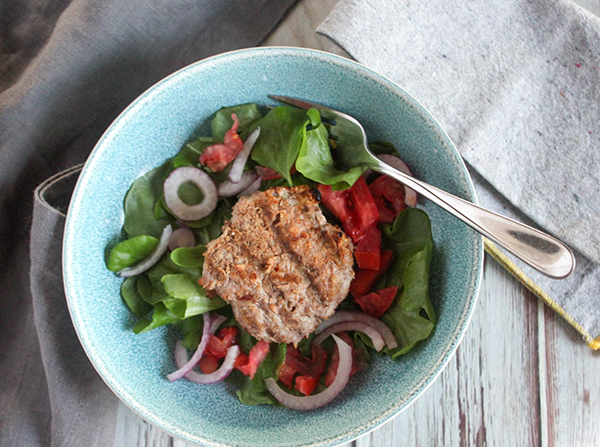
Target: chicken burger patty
{"type": "Point", "coordinates": [279, 264]}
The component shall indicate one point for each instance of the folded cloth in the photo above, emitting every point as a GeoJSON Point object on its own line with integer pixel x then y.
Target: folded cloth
{"type": "Point", "coordinates": [67, 69]}
{"type": "Point", "coordinates": [515, 83]}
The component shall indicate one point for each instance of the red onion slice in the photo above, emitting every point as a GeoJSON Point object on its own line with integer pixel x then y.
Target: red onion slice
{"type": "Point", "coordinates": [223, 371]}
{"type": "Point", "coordinates": [348, 315]}
{"type": "Point", "coordinates": [410, 195]}
{"type": "Point", "coordinates": [187, 367]}
{"type": "Point", "coordinates": [358, 326]}
{"type": "Point", "coordinates": [254, 186]}
{"type": "Point", "coordinates": [199, 178]}
{"type": "Point", "coordinates": [240, 161]}
{"type": "Point", "coordinates": [230, 189]}
{"type": "Point", "coordinates": [323, 398]}
{"type": "Point", "coordinates": [182, 237]}
{"type": "Point", "coordinates": [152, 259]}
{"type": "Point", "coordinates": [215, 322]}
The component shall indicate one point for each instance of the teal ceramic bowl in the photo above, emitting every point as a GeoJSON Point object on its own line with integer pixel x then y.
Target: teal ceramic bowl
{"type": "Point", "coordinates": [152, 129]}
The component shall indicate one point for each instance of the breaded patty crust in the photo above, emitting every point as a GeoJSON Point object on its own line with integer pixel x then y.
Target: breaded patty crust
{"type": "Point", "coordinates": [280, 264]}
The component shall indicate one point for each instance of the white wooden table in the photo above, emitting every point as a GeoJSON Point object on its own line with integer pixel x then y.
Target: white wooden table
{"type": "Point", "coordinates": [521, 377]}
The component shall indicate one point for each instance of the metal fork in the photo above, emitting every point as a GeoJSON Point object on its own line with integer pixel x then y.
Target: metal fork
{"type": "Point", "coordinates": [540, 250]}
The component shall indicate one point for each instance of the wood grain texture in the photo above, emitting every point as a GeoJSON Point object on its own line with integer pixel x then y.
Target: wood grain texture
{"type": "Point", "coordinates": [521, 377]}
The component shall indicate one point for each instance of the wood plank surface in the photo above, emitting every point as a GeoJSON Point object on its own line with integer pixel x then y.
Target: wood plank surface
{"type": "Point", "coordinates": [521, 377]}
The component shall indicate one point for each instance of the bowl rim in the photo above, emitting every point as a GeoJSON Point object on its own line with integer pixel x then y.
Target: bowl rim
{"type": "Point", "coordinates": [465, 318]}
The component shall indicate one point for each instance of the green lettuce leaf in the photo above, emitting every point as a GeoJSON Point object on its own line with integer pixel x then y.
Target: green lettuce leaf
{"type": "Point", "coordinates": [315, 160]}
{"type": "Point", "coordinates": [166, 266]}
{"type": "Point", "coordinates": [189, 297]}
{"type": "Point", "coordinates": [281, 133]}
{"type": "Point", "coordinates": [189, 257]}
{"type": "Point", "coordinates": [132, 297]}
{"type": "Point", "coordinates": [130, 252]}
{"type": "Point", "coordinates": [160, 317]}
{"type": "Point", "coordinates": [140, 205]}
{"type": "Point", "coordinates": [214, 228]}
{"type": "Point", "coordinates": [189, 154]}
{"type": "Point", "coordinates": [411, 317]}
{"type": "Point", "coordinates": [222, 121]}
{"type": "Point", "coordinates": [191, 331]}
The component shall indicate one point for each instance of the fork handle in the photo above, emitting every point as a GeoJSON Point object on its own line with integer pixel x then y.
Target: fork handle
{"type": "Point", "coordinates": [540, 250]}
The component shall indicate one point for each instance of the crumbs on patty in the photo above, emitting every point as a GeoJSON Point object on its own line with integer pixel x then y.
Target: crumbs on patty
{"type": "Point", "coordinates": [280, 264]}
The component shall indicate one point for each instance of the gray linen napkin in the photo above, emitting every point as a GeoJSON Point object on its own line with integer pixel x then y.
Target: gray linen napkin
{"type": "Point", "coordinates": [67, 69]}
{"type": "Point", "coordinates": [515, 83]}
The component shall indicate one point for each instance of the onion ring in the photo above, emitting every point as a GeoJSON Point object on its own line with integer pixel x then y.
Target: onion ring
{"type": "Point", "coordinates": [216, 321]}
{"type": "Point", "coordinates": [152, 259]}
{"type": "Point", "coordinates": [318, 400]}
{"type": "Point", "coordinates": [218, 375]}
{"type": "Point", "coordinates": [229, 189]}
{"type": "Point", "coordinates": [178, 207]}
{"type": "Point", "coordinates": [410, 195]}
{"type": "Point", "coordinates": [367, 329]}
{"type": "Point", "coordinates": [349, 315]}
{"type": "Point", "coordinates": [254, 186]}
{"type": "Point", "coordinates": [189, 365]}
{"type": "Point", "coordinates": [240, 161]}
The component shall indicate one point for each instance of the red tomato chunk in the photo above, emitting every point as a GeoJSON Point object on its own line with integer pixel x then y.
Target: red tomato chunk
{"type": "Point", "coordinates": [309, 370]}
{"type": "Point", "coordinates": [255, 357]}
{"type": "Point", "coordinates": [354, 207]}
{"type": "Point", "coordinates": [208, 363]}
{"type": "Point", "coordinates": [377, 303]}
{"type": "Point", "coordinates": [368, 251]}
{"type": "Point", "coordinates": [365, 279]}
{"type": "Point", "coordinates": [219, 155]}
{"type": "Point", "coordinates": [388, 195]}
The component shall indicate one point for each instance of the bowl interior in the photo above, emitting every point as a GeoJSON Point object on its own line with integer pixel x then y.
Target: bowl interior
{"type": "Point", "coordinates": [153, 129]}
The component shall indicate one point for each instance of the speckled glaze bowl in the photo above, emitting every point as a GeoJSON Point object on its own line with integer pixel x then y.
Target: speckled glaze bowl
{"type": "Point", "coordinates": [154, 128]}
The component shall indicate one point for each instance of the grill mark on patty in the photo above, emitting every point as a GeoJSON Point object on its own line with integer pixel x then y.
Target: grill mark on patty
{"type": "Point", "coordinates": [269, 221]}
{"type": "Point", "coordinates": [283, 238]}
{"type": "Point", "coordinates": [271, 289]}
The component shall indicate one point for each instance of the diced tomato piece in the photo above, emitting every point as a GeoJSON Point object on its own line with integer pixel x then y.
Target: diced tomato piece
{"type": "Point", "coordinates": [216, 347]}
{"type": "Point", "coordinates": [232, 139]}
{"type": "Point", "coordinates": [306, 384]}
{"type": "Point", "coordinates": [297, 361]}
{"type": "Point", "coordinates": [241, 360]}
{"type": "Point", "coordinates": [219, 155]}
{"type": "Point", "coordinates": [377, 303]}
{"type": "Point", "coordinates": [368, 251]}
{"type": "Point", "coordinates": [364, 206]}
{"type": "Point", "coordinates": [286, 374]}
{"type": "Point", "coordinates": [336, 202]}
{"type": "Point", "coordinates": [208, 363]}
{"type": "Point", "coordinates": [333, 366]}
{"type": "Point", "coordinates": [229, 335]}
{"type": "Point", "coordinates": [255, 357]}
{"type": "Point", "coordinates": [388, 195]}
{"type": "Point", "coordinates": [364, 279]}
{"type": "Point", "coordinates": [307, 368]}
{"type": "Point", "coordinates": [359, 361]}
{"type": "Point", "coordinates": [354, 207]}
{"type": "Point", "coordinates": [319, 357]}
{"type": "Point", "coordinates": [218, 344]}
